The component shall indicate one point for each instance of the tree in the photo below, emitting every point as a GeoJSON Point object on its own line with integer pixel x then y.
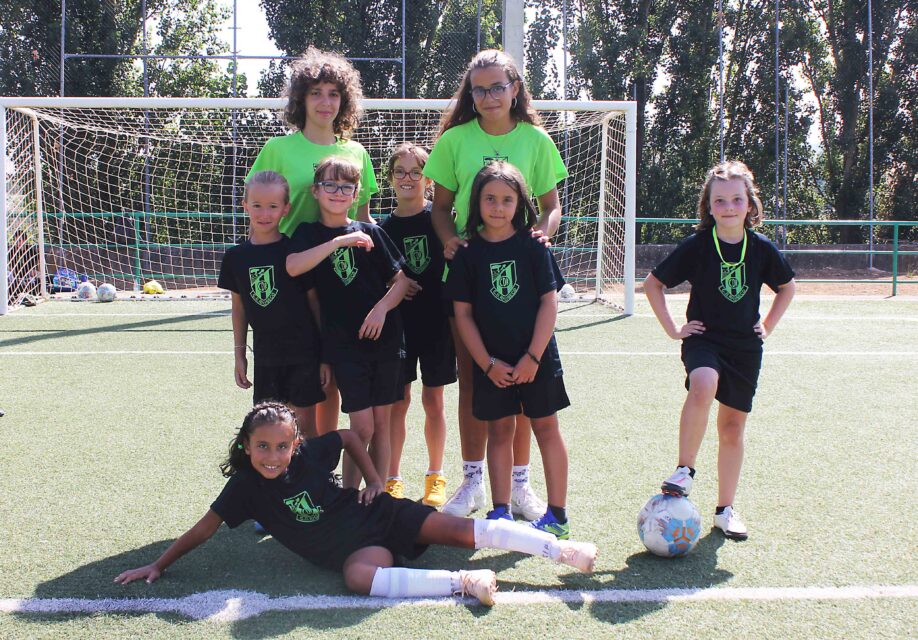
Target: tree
{"type": "Point", "coordinates": [441, 36]}
{"type": "Point", "coordinates": [836, 70]}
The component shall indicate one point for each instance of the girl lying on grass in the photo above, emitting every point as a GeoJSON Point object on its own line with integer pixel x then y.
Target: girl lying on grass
{"type": "Point", "coordinates": [285, 484]}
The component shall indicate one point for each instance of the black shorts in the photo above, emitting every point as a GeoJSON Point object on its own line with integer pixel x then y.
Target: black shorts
{"type": "Point", "coordinates": [294, 384]}
{"type": "Point", "coordinates": [369, 384]}
{"type": "Point", "coordinates": [540, 398]}
{"type": "Point", "coordinates": [393, 523]}
{"type": "Point", "coordinates": [738, 371]}
{"type": "Point", "coordinates": [437, 359]}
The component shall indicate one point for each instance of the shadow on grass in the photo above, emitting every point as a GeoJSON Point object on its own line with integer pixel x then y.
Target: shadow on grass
{"type": "Point", "coordinates": [233, 565]}
{"type": "Point", "coordinates": [53, 334]}
{"type": "Point", "coordinates": [598, 321]}
{"type": "Point", "coordinates": [232, 561]}
{"type": "Point", "coordinates": [645, 572]}
{"type": "Point", "coordinates": [697, 570]}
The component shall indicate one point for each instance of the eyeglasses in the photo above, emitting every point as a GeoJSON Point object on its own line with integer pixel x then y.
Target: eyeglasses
{"type": "Point", "coordinates": [414, 174]}
{"type": "Point", "coordinates": [496, 92]}
{"type": "Point", "coordinates": [346, 189]}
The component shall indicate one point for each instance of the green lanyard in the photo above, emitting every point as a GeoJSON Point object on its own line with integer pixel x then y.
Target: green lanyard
{"type": "Point", "coordinates": [742, 252]}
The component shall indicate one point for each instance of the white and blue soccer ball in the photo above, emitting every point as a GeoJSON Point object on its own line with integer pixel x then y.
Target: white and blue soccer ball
{"type": "Point", "coordinates": [106, 292]}
{"type": "Point", "coordinates": [669, 526]}
{"type": "Point", "coordinates": [86, 291]}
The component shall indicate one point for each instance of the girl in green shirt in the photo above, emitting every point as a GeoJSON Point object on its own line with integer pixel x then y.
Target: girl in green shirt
{"type": "Point", "coordinates": [323, 108]}
{"type": "Point", "coordinates": [491, 119]}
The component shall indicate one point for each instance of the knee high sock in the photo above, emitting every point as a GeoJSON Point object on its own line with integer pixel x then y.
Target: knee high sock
{"type": "Point", "coordinates": [503, 534]}
{"type": "Point", "coordinates": [399, 582]}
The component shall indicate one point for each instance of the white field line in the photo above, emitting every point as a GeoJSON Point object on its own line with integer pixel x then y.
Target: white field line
{"type": "Point", "coordinates": [789, 316]}
{"type": "Point", "coordinates": [561, 316]}
{"type": "Point", "coordinates": [230, 606]}
{"type": "Point", "coordinates": [629, 354]}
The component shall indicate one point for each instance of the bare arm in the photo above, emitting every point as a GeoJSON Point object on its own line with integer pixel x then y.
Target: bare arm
{"type": "Point", "coordinates": [500, 373]}
{"type": "Point", "coordinates": [444, 224]}
{"type": "Point", "coordinates": [303, 261]}
{"type": "Point", "coordinates": [357, 450]}
{"type": "Point", "coordinates": [525, 370]}
{"type": "Point", "coordinates": [194, 537]}
{"type": "Point", "coordinates": [778, 307]}
{"type": "Point", "coordinates": [653, 289]}
{"type": "Point", "coordinates": [240, 337]}
{"type": "Point", "coordinates": [549, 213]}
{"type": "Point", "coordinates": [363, 213]}
{"type": "Point", "coordinates": [373, 324]}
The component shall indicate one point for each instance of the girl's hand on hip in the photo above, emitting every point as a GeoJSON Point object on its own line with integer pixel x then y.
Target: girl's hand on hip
{"type": "Point", "coordinates": [693, 328]}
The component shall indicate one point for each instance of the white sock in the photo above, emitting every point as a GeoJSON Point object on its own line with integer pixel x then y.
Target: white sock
{"type": "Point", "coordinates": [399, 582]}
{"type": "Point", "coordinates": [430, 472]}
{"type": "Point", "coordinates": [393, 478]}
{"type": "Point", "coordinates": [473, 471]}
{"type": "Point", "coordinates": [520, 475]}
{"type": "Point", "coordinates": [509, 536]}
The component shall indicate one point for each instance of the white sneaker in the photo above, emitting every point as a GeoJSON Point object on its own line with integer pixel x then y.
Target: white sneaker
{"type": "Point", "coordinates": [481, 583]}
{"type": "Point", "coordinates": [469, 498]}
{"type": "Point", "coordinates": [580, 555]}
{"type": "Point", "coordinates": [730, 523]}
{"type": "Point", "coordinates": [524, 502]}
{"type": "Point", "coordinates": [678, 484]}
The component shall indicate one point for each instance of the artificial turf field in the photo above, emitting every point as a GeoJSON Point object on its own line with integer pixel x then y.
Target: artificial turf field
{"type": "Point", "coordinates": [117, 416]}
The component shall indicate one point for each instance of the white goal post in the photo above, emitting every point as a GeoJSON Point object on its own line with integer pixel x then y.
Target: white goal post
{"type": "Point", "coordinates": [122, 190]}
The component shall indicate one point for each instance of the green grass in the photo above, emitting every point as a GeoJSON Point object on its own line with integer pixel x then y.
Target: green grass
{"type": "Point", "coordinates": [106, 458]}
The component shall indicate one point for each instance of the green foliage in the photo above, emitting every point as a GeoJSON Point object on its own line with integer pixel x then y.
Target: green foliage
{"type": "Point", "coordinates": [30, 51]}
{"type": "Point", "coordinates": [441, 36]}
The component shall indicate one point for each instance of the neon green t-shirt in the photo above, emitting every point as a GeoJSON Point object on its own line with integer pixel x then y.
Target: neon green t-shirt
{"type": "Point", "coordinates": [462, 151]}
{"type": "Point", "coordinates": [295, 157]}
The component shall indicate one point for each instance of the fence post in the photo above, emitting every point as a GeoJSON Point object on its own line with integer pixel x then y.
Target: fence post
{"type": "Point", "coordinates": [895, 256]}
{"type": "Point", "coordinates": [4, 274]}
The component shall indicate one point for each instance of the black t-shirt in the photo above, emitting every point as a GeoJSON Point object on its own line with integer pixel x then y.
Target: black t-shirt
{"type": "Point", "coordinates": [424, 316]}
{"type": "Point", "coordinates": [724, 298]}
{"type": "Point", "coordinates": [276, 307]}
{"type": "Point", "coordinates": [349, 282]}
{"type": "Point", "coordinates": [504, 282]}
{"type": "Point", "coordinates": [302, 509]}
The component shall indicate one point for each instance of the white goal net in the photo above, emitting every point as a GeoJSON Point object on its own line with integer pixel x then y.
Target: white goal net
{"type": "Point", "coordinates": [126, 190]}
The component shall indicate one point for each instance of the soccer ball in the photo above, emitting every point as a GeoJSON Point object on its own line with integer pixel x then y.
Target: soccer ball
{"type": "Point", "coordinates": [153, 287]}
{"type": "Point", "coordinates": [567, 292]}
{"type": "Point", "coordinates": [86, 291]}
{"type": "Point", "coordinates": [669, 526]}
{"type": "Point", "coordinates": [106, 292]}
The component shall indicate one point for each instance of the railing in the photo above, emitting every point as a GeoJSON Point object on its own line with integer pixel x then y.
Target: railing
{"type": "Point", "coordinates": [895, 252]}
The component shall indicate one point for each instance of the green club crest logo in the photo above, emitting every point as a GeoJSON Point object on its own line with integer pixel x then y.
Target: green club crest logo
{"type": "Point", "coordinates": [417, 255]}
{"type": "Point", "coordinates": [733, 281]}
{"type": "Point", "coordinates": [503, 280]}
{"type": "Point", "coordinates": [262, 284]}
{"type": "Point", "coordinates": [302, 507]}
{"type": "Point", "coordinates": [343, 263]}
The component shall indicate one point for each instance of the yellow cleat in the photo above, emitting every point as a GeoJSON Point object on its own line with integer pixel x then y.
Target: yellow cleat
{"type": "Point", "coordinates": [434, 490]}
{"type": "Point", "coordinates": [395, 488]}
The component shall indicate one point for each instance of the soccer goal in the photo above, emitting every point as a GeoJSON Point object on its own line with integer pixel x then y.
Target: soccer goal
{"type": "Point", "coordinates": [123, 190]}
